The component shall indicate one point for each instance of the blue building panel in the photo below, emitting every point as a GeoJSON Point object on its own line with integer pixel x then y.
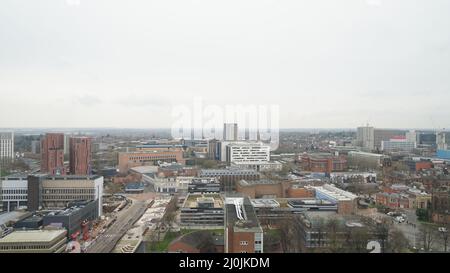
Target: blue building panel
{"type": "Point", "coordinates": [443, 154]}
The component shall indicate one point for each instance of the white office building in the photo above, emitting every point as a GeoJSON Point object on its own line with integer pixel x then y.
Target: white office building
{"type": "Point", "coordinates": [6, 145]}
{"type": "Point", "coordinates": [13, 193]}
{"type": "Point", "coordinates": [365, 138]}
{"type": "Point", "coordinates": [395, 145]}
{"type": "Point", "coordinates": [247, 153]}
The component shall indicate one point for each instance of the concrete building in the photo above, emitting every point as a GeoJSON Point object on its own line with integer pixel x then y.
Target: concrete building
{"type": "Point", "coordinates": [243, 233]}
{"type": "Point", "coordinates": [13, 192]}
{"type": "Point", "coordinates": [204, 185]}
{"type": "Point", "coordinates": [74, 217]}
{"type": "Point", "coordinates": [6, 146]}
{"type": "Point", "coordinates": [213, 149]}
{"type": "Point", "coordinates": [263, 188]}
{"type": "Point", "coordinates": [385, 135]}
{"type": "Point", "coordinates": [365, 138]}
{"type": "Point", "coordinates": [229, 177]}
{"type": "Point", "coordinates": [36, 147]}
{"type": "Point", "coordinates": [230, 131]}
{"type": "Point", "coordinates": [365, 161]}
{"type": "Point", "coordinates": [52, 154]}
{"type": "Point", "coordinates": [34, 241]}
{"type": "Point", "coordinates": [346, 201]}
{"type": "Point", "coordinates": [80, 155]}
{"type": "Point", "coordinates": [202, 211]}
{"type": "Point", "coordinates": [147, 158]}
{"type": "Point", "coordinates": [57, 192]}
{"type": "Point", "coordinates": [274, 166]}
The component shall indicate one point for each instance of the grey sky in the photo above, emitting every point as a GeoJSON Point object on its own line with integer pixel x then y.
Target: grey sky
{"type": "Point", "coordinates": [327, 63]}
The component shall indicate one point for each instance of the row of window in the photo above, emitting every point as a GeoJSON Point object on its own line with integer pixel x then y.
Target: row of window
{"type": "Point", "coordinates": [14, 191]}
{"type": "Point", "coordinates": [70, 191]}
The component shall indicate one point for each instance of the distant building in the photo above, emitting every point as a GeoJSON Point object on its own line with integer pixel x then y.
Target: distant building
{"type": "Point", "coordinates": [440, 205]}
{"type": "Point", "coordinates": [230, 131]}
{"type": "Point", "coordinates": [248, 153]}
{"type": "Point", "coordinates": [365, 138]}
{"type": "Point", "coordinates": [136, 187]}
{"type": "Point", "coordinates": [322, 162]}
{"type": "Point", "coordinates": [392, 200]}
{"type": "Point", "coordinates": [36, 147]}
{"type": "Point", "coordinates": [385, 135]}
{"type": "Point", "coordinates": [80, 155]}
{"type": "Point", "coordinates": [213, 149]}
{"type": "Point", "coordinates": [52, 154]}
{"type": "Point", "coordinates": [398, 145]}
{"type": "Point", "coordinates": [366, 161]}
{"type": "Point", "coordinates": [243, 233]}
{"type": "Point", "coordinates": [204, 185]}
{"type": "Point", "coordinates": [149, 157]}
{"type": "Point", "coordinates": [34, 241]}
{"type": "Point", "coordinates": [263, 188]}
{"type": "Point", "coordinates": [6, 146]}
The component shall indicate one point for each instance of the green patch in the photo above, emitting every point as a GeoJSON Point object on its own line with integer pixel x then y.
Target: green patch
{"type": "Point", "coordinates": [163, 245]}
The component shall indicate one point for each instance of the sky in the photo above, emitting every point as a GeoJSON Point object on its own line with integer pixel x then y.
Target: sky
{"type": "Point", "coordinates": [128, 64]}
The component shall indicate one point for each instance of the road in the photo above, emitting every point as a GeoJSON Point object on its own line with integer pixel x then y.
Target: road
{"type": "Point", "coordinates": [106, 242]}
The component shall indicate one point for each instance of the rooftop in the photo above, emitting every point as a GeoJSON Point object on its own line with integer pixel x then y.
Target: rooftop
{"type": "Point", "coordinates": [241, 215]}
{"type": "Point", "coordinates": [32, 236]}
{"type": "Point", "coordinates": [192, 200]}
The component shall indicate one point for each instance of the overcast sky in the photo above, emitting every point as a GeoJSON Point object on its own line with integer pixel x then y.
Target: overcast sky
{"type": "Point", "coordinates": [326, 63]}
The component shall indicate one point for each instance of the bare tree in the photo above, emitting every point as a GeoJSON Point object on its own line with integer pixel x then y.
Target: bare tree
{"type": "Point", "coordinates": [426, 237]}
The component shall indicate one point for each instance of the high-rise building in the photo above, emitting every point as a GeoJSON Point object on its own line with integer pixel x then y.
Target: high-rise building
{"type": "Point", "coordinates": [6, 146]}
{"type": "Point", "coordinates": [80, 155]}
{"type": "Point", "coordinates": [35, 147]}
{"type": "Point", "coordinates": [230, 131]}
{"type": "Point", "coordinates": [52, 154]}
{"type": "Point", "coordinates": [365, 137]}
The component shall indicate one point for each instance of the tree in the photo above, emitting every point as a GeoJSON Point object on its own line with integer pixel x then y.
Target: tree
{"type": "Point", "coordinates": [426, 236]}
{"type": "Point", "coordinates": [398, 243]}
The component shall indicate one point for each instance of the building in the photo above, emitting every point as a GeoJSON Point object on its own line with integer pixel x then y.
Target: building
{"type": "Point", "coordinates": [263, 188]}
{"type": "Point", "coordinates": [204, 185]}
{"type": "Point", "coordinates": [135, 159]}
{"type": "Point", "coordinates": [213, 149]}
{"type": "Point", "coordinates": [442, 140]}
{"type": "Point", "coordinates": [365, 138]}
{"type": "Point", "coordinates": [35, 147]}
{"type": "Point", "coordinates": [443, 154]}
{"type": "Point", "coordinates": [398, 145]}
{"type": "Point", "coordinates": [229, 177]}
{"type": "Point", "coordinates": [418, 165]}
{"type": "Point", "coordinates": [261, 166]}
{"type": "Point", "coordinates": [385, 135]}
{"type": "Point", "coordinates": [34, 241]}
{"type": "Point", "coordinates": [366, 161]}
{"type": "Point", "coordinates": [322, 163]}
{"type": "Point", "coordinates": [80, 155]}
{"type": "Point", "coordinates": [253, 153]}
{"type": "Point", "coordinates": [243, 233]}
{"type": "Point", "coordinates": [440, 205]}
{"type": "Point", "coordinates": [393, 200]}
{"type": "Point", "coordinates": [58, 192]}
{"type": "Point", "coordinates": [6, 146]}
{"type": "Point", "coordinates": [52, 154]}
{"type": "Point", "coordinates": [13, 192]}
{"type": "Point", "coordinates": [134, 187]}
{"type": "Point", "coordinates": [202, 210]}
{"type": "Point", "coordinates": [76, 218]}
{"type": "Point", "coordinates": [230, 131]}
{"type": "Point", "coordinates": [346, 201]}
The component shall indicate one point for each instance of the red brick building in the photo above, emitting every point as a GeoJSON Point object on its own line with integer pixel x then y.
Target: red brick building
{"type": "Point", "coordinates": [392, 200]}
{"type": "Point", "coordinates": [135, 159]}
{"type": "Point", "coordinates": [322, 163]}
{"type": "Point", "coordinates": [52, 154]}
{"type": "Point", "coordinates": [80, 155]}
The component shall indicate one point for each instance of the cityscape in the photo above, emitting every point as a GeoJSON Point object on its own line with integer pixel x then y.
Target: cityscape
{"type": "Point", "coordinates": [321, 191]}
{"type": "Point", "coordinates": [253, 129]}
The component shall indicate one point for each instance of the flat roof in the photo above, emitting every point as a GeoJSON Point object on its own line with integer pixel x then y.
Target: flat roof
{"type": "Point", "coordinates": [12, 216]}
{"type": "Point", "coordinates": [248, 221]}
{"type": "Point", "coordinates": [32, 236]}
{"type": "Point", "coordinates": [335, 192]}
{"type": "Point", "coordinates": [192, 200]}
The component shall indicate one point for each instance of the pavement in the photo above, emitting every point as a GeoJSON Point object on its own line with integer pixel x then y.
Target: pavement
{"type": "Point", "coordinates": [106, 242]}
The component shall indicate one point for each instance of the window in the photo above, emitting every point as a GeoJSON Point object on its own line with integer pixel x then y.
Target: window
{"type": "Point", "coordinates": [244, 243]}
